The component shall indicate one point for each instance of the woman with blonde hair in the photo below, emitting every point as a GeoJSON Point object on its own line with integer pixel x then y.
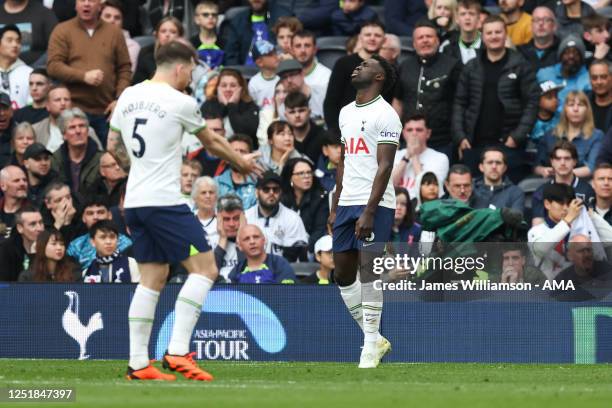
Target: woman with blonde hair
{"type": "Point", "coordinates": [577, 126]}
{"type": "Point", "coordinates": [444, 14]}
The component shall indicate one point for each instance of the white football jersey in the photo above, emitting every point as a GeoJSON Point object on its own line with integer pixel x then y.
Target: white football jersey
{"type": "Point", "coordinates": [363, 127]}
{"type": "Point", "coordinates": [152, 117]}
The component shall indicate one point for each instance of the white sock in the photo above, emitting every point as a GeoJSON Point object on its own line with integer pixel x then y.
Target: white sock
{"type": "Point", "coordinates": [140, 318]}
{"type": "Point", "coordinates": [372, 304]}
{"type": "Point", "coordinates": [352, 299]}
{"type": "Point", "coordinates": [187, 311]}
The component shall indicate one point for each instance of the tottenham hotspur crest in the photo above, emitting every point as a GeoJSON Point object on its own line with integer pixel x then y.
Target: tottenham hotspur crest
{"type": "Point", "coordinates": [363, 122]}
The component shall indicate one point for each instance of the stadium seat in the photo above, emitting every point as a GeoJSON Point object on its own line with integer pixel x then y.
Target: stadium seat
{"type": "Point", "coordinates": [531, 184]}
{"type": "Point", "coordinates": [144, 40]}
{"type": "Point", "coordinates": [304, 268]}
{"type": "Point", "coordinates": [380, 10]}
{"type": "Point", "coordinates": [494, 10]}
{"type": "Point", "coordinates": [232, 11]}
{"type": "Point", "coordinates": [330, 49]}
{"type": "Point", "coordinates": [247, 72]}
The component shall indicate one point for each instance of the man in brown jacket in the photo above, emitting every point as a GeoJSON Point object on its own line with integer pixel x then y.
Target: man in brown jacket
{"type": "Point", "coordinates": [91, 57]}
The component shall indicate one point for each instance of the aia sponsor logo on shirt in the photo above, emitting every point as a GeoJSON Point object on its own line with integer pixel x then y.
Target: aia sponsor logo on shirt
{"type": "Point", "coordinates": [356, 146]}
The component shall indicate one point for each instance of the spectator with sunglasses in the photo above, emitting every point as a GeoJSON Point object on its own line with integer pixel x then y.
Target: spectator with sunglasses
{"type": "Point", "coordinates": [206, 41]}
{"type": "Point", "coordinates": [283, 228]}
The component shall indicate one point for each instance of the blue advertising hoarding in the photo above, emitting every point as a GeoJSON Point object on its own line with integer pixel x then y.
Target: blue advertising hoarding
{"type": "Point", "coordinates": [306, 323]}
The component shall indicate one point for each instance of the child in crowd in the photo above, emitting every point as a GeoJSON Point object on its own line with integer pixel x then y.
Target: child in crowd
{"type": "Point", "coordinates": [548, 117]}
{"type": "Point", "coordinates": [328, 162]}
{"type": "Point", "coordinates": [284, 29]}
{"type": "Point", "coordinates": [261, 86]}
{"type": "Point", "coordinates": [206, 41]}
{"type": "Point", "coordinates": [325, 258]}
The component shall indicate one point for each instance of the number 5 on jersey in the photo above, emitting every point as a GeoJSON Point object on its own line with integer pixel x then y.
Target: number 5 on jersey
{"type": "Point", "coordinates": [139, 140]}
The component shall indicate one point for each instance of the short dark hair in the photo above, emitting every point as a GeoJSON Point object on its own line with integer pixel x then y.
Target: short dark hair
{"type": "Point", "coordinates": [425, 22]}
{"type": "Point", "coordinates": [40, 71]}
{"type": "Point", "coordinates": [104, 226]}
{"type": "Point", "coordinates": [241, 137]}
{"type": "Point", "coordinates": [211, 111]}
{"type": "Point", "coordinates": [390, 75]}
{"type": "Point", "coordinates": [564, 145]}
{"type": "Point", "coordinates": [593, 21]}
{"type": "Point", "coordinates": [54, 185]}
{"type": "Point", "coordinates": [375, 23]}
{"type": "Point", "coordinates": [28, 208]}
{"type": "Point", "coordinates": [10, 27]}
{"type": "Point", "coordinates": [558, 193]}
{"type": "Point", "coordinates": [331, 139]}
{"type": "Point", "coordinates": [493, 149]}
{"type": "Point", "coordinates": [416, 117]}
{"type": "Point", "coordinates": [494, 18]}
{"type": "Point", "coordinates": [229, 202]}
{"type": "Point", "coordinates": [96, 200]}
{"type": "Point", "coordinates": [602, 166]}
{"type": "Point", "coordinates": [296, 99]}
{"type": "Point", "coordinates": [459, 169]}
{"type": "Point", "coordinates": [306, 34]}
{"type": "Point", "coordinates": [175, 52]}
{"type": "Point", "coordinates": [277, 126]}
{"type": "Point", "coordinates": [468, 4]}
{"type": "Point", "coordinates": [114, 4]}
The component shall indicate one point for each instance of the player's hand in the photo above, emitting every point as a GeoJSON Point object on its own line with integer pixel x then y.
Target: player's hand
{"type": "Point", "coordinates": [364, 226]}
{"type": "Point", "coordinates": [573, 211]}
{"type": "Point", "coordinates": [465, 144]}
{"type": "Point", "coordinates": [94, 77]}
{"type": "Point", "coordinates": [248, 164]}
{"type": "Point", "coordinates": [331, 219]}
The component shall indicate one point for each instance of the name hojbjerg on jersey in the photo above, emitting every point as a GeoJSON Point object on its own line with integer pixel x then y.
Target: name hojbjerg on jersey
{"type": "Point", "coordinates": [144, 106]}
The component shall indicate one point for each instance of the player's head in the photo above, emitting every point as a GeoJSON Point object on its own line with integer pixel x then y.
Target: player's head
{"type": "Point", "coordinates": [374, 71]}
{"type": "Point", "coordinates": [176, 60]}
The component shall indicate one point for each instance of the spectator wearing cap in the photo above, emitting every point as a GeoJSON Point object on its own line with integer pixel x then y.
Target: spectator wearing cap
{"type": "Point", "coordinates": [81, 248]}
{"type": "Point", "coordinates": [206, 41]}
{"type": "Point", "coordinates": [6, 128]}
{"type": "Point", "coordinates": [569, 16]}
{"type": "Point", "coordinates": [302, 193]}
{"type": "Point", "coordinates": [308, 135]}
{"type": "Point", "coordinates": [340, 92]}
{"type": "Point", "coordinates": [600, 76]}
{"type": "Point", "coordinates": [541, 51]}
{"type": "Point", "coordinates": [37, 162]}
{"type": "Point", "coordinates": [14, 187]}
{"type": "Point", "coordinates": [304, 50]}
{"type": "Point", "coordinates": [230, 217]}
{"type": "Point", "coordinates": [39, 84]}
{"type": "Point", "coordinates": [283, 228]}
{"type": "Point", "coordinates": [548, 116]}
{"type": "Point", "coordinates": [77, 161]}
{"type": "Point", "coordinates": [47, 130]}
{"type": "Point", "coordinates": [496, 102]}
{"type": "Point", "coordinates": [39, 21]}
{"type": "Point", "coordinates": [426, 84]}
{"type": "Point", "coordinates": [571, 71]}
{"type": "Point", "coordinates": [292, 78]}
{"type": "Point", "coordinates": [110, 265]}
{"type": "Point", "coordinates": [232, 181]}
{"type": "Point", "coordinates": [91, 57]}
{"type": "Point", "coordinates": [261, 86]}
{"type": "Point", "coordinates": [348, 18]}
{"type": "Point", "coordinates": [259, 265]}
{"type": "Point", "coordinates": [328, 162]}
{"type": "Point", "coordinates": [15, 74]}
{"type": "Point", "coordinates": [324, 275]}
{"type": "Point", "coordinates": [231, 98]}
{"type": "Point", "coordinates": [249, 26]}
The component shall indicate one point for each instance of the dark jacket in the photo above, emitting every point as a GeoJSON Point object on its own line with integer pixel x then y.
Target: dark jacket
{"type": "Point", "coordinates": [5, 146]}
{"type": "Point", "coordinates": [350, 24]}
{"type": "Point", "coordinates": [99, 189]}
{"type": "Point", "coordinates": [13, 256]}
{"type": "Point", "coordinates": [312, 145]}
{"type": "Point", "coordinates": [238, 34]}
{"type": "Point", "coordinates": [518, 93]}
{"type": "Point", "coordinates": [90, 166]}
{"type": "Point", "coordinates": [400, 15]}
{"type": "Point", "coordinates": [35, 193]}
{"type": "Point", "coordinates": [506, 195]}
{"type": "Point", "coordinates": [566, 25]}
{"type": "Point", "coordinates": [313, 210]}
{"type": "Point", "coordinates": [428, 86]}
{"type": "Point", "coordinates": [605, 150]}
{"type": "Point", "coordinates": [315, 17]}
{"type": "Point", "coordinates": [243, 116]}
{"type": "Point", "coordinates": [529, 52]}
{"type": "Point", "coordinates": [145, 67]}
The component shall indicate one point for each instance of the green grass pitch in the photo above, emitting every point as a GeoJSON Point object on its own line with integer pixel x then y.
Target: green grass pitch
{"type": "Point", "coordinates": [253, 385]}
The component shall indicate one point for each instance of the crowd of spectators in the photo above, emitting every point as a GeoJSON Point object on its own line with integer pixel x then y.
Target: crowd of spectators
{"type": "Point", "coordinates": [505, 109]}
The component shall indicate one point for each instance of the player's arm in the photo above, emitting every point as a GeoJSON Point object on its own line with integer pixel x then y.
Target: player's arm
{"type": "Point", "coordinates": [385, 155]}
{"type": "Point", "coordinates": [220, 147]}
{"type": "Point", "coordinates": [336, 197]}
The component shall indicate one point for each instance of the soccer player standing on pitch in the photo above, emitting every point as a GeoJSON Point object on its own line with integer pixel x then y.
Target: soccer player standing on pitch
{"type": "Point", "coordinates": [364, 204]}
{"type": "Point", "coordinates": [151, 118]}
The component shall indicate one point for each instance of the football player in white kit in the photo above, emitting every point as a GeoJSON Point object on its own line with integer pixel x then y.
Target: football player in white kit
{"type": "Point", "coordinates": [151, 118]}
{"type": "Point", "coordinates": [364, 204]}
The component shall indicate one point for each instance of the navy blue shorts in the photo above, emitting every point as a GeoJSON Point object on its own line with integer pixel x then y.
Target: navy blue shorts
{"type": "Point", "coordinates": [165, 234]}
{"type": "Point", "coordinates": [344, 238]}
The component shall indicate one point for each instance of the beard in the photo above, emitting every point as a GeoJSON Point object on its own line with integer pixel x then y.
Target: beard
{"type": "Point", "coordinates": [268, 207]}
